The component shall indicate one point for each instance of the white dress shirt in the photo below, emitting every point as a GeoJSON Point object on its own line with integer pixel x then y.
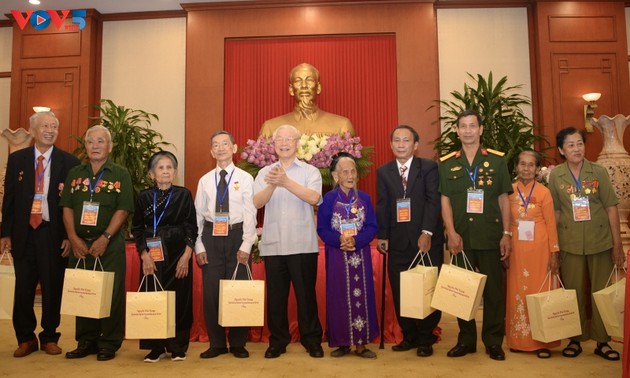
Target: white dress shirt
{"type": "Point", "coordinates": [241, 198]}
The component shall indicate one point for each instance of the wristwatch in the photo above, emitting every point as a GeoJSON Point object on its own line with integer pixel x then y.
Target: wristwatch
{"type": "Point", "coordinates": [508, 233]}
{"type": "Point", "coordinates": [107, 235]}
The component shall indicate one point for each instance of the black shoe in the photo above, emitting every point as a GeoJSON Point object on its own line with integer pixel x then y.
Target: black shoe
{"type": "Point", "coordinates": [155, 355]}
{"type": "Point", "coordinates": [239, 352]}
{"type": "Point", "coordinates": [496, 352]}
{"type": "Point", "coordinates": [275, 352]}
{"type": "Point", "coordinates": [404, 346]}
{"type": "Point", "coordinates": [424, 351]}
{"type": "Point", "coordinates": [315, 351]}
{"type": "Point", "coordinates": [83, 350]}
{"type": "Point", "coordinates": [213, 352]}
{"type": "Point", "coordinates": [105, 354]}
{"type": "Point", "coordinates": [460, 350]}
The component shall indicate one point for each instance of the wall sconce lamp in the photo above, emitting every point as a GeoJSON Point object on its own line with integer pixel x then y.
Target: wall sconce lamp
{"type": "Point", "coordinates": [40, 109]}
{"type": "Point", "coordinates": [589, 109]}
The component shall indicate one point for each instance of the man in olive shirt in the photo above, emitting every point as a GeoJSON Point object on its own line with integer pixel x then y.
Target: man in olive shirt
{"type": "Point", "coordinates": [96, 200]}
{"type": "Point", "coordinates": [475, 184]}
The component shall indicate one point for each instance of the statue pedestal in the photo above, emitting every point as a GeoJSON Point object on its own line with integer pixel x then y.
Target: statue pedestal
{"type": "Point", "coordinates": [616, 160]}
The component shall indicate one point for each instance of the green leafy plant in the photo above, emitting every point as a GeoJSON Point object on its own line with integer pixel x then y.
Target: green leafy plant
{"type": "Point", "coordinates": [133, 139]}
{"type": "Point", "coordinates": [505, 127]}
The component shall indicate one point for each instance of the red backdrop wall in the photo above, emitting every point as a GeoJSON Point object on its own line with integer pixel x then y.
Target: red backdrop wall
{"type": "Point", "coordinates": [358, 76]}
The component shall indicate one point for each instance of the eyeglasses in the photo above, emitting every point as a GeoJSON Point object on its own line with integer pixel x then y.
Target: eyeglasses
{"type": "Point", "coordinates": [285, 140]}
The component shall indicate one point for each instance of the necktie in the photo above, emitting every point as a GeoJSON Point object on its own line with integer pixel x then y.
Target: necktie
{"type": "Point", "coordinates": [220, 192]}
{"type": "Point", "coordinates": [36, 218]}
{"type": "Point", "coordinates": [403, 169]}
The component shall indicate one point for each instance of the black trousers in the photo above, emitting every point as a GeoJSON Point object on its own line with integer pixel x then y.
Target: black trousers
{"type": "Point", "coordinates": [221, 251]}
{"type": "Point", "coordinates": [301, 271]}
{"type": "Point", "coordinates": [39, 262]}
{"type": "Point", "coordinates": [415, 331]}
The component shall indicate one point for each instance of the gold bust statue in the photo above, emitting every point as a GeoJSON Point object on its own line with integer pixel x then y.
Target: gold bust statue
{"type": "Point", "coordinates": [307, 117]}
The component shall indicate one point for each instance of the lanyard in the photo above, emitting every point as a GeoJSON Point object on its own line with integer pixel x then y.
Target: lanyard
{"type": "Point", "coordinates": [221, 196]}
{"type": "Point", "coordinates": [346, 206]}
{"type": "Point", "coordinates": [156, 222]}
{"type": "Point", "coordinates": [473, 177]}
{"type": "Point", "coordinates": [526, 203]}
{"type": "Point", "coordinates": [95, 184]}
{"type": "Point", "coordinates": [578, 183]}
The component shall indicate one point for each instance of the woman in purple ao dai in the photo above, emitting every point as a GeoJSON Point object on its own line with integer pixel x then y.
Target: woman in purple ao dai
{"type": "Point", "coordinates": [347, 224]}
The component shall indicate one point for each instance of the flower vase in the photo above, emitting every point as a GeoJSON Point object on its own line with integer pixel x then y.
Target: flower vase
{"type": "Point", "coordinates": [617, 161]}
{"type": "Point", "coordinates": [17, 139]}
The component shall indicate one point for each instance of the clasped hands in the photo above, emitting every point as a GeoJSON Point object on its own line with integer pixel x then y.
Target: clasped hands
{"type": "Point", "coordinates": [276, 176]}
{"type": "Point", "coordinates": [81, 250]}
{"type": "Point", "coordinates": [348, 243]}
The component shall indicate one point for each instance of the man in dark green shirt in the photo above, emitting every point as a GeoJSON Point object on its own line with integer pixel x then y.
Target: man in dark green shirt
{"type": "Point", "coordinates": [96, 200]}
{"type": "Point", "coordinates": [475, 184]}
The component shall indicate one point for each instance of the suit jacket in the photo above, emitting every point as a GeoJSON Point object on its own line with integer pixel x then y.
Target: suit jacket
{"type": "Point", "coordinates": [19, 189]}
{"type": "Point", "coordinates": [422, 189]}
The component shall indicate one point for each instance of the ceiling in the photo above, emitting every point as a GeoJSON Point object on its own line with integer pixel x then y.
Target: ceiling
{"type": "Point", "coordinates": [103, 6]}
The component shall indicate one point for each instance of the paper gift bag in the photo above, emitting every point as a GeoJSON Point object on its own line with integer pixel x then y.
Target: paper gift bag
{"type": "Point", "coordinates": [241, 302]}
{"type": "Point", "coordinates": [458, 291]}
{"type": "Point", "coordinates": [416, 290]}
{"type": "Point", "coordinates": [150, 314]}
{"type": "Point", "coordinates": [553, 315]}
{"type": "Point", "coordinates": [7, 288]}
{"type": "Point", "coordinates": [87, 293]}
{"type": "Point", "coordinates": [610, 303]}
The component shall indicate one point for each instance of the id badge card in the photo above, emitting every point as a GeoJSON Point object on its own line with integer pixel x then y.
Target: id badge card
{"type": "Point", "coordinates": [403, 210]}
{"type": "Point", "coordinates": [89, 213]}
{"type": "Point", "coordinates": [155, 249]}
{"type": "Point", "coordinates": [348, 228]}
{"type": "Point", "coordinates": [38, 202]}
{"type": "Point", "coordinates": [474, 201]}
{"type": "Point", "coordinates": [581, 210]}
{"type": "Point", "coordinates": [526, 228]}
{"type": "Point", "coordinates": [220, 226]}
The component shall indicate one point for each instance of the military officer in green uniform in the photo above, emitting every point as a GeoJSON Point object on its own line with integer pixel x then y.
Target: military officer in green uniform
{"type": "Point", "coordinates": [475, 184]}
{"type": "Point", "coordinates": [97, 198]}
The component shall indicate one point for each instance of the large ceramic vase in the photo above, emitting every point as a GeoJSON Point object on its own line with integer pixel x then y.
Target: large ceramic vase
{"type": "Point", "coordinates": [17, 139]}
{"type": "Point", "coordinates": [617, 161]}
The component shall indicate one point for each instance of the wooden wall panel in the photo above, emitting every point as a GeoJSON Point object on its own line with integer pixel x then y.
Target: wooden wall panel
{"type": "Point", "coordinates": [579, 49]}
{"type": "Point", "coordinates": [582, 29]}
{"type": "Point", "coordinates": [576, 74]}
{"type": "Point", "coordinates": [59, 69]}
{"type": "Point", "coordinates": [38, 84]}
{"type": "Point", "coordinates": [51, 45]}
{"type": "Point", "coordinates": [414, 25]}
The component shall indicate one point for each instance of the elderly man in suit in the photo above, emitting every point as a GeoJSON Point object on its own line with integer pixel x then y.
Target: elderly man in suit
{"type": "Point", "coordinates": [408, 214]}
{"type": "Point", "coordinates": [33, 230]}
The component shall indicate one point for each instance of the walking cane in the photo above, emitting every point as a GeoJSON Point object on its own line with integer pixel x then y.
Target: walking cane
{"type": "Point", "coordinates": [383, 283]}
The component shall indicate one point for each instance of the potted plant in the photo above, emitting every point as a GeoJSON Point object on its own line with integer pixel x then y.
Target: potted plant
{"type": "Point", "coordinates": [505, 127]}
{"type": "Point", "coordinates": [133, 139]}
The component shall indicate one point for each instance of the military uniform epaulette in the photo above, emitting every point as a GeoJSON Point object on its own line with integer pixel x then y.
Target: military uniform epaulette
{"type": "Point", "coordinates": [495, 152]}
{"type": "Point", "coordinates": [448, 156]}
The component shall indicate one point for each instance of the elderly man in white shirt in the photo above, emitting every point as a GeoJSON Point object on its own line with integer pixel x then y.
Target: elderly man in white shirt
{"type": "Point", "coordinates": [288, 190]}
{"type": "Point", "coordinates": [226, 217]}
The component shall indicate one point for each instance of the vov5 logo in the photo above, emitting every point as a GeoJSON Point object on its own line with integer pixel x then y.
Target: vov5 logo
{"type": "Point", "coordinates": [41, 19]}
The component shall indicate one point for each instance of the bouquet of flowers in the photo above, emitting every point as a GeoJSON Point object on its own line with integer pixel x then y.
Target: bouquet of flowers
{"type": "Point", "coordinates": [315, 149]}
{"type": "Point", "coordinates": [543, 175]}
